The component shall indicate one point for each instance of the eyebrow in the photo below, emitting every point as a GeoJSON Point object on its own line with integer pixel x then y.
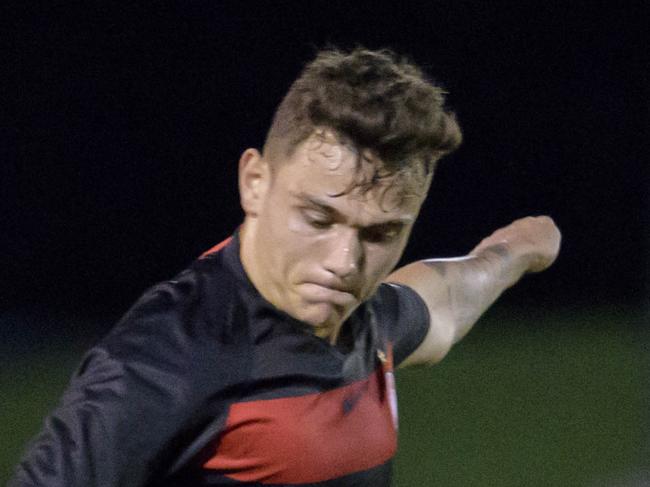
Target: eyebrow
{"type": "Point", "coordinates": [323, 206]}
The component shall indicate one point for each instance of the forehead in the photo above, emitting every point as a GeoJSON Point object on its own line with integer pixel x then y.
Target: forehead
{"type": "Point", "coordinates": [326, 169]}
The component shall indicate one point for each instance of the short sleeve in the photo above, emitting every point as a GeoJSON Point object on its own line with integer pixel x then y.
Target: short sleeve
{"type": "Point", "coordinates": [404, 318]}
{"type": "Point", "coordinates": [96, 436]}
{"type": "Point", "coordinates": [133, 400]}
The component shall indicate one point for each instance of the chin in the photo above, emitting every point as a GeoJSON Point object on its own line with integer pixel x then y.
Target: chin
{"type": "Point", "coordinates": [321, 316]}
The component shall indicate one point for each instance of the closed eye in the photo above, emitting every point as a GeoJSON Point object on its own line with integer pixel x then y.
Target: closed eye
{"type": "Point", "coordinates": [382, 233]}
{"type": "Point", "coordinates": [316, 219]}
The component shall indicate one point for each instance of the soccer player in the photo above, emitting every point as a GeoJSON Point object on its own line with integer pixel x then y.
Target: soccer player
{"type": "Point", "coordinates": [269, 361]}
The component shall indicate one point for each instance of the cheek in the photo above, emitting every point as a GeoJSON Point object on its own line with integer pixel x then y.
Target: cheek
{"type": "Point", "coordinates": [298, 227]}
{"type": "Point", "coordinates": [300, 250]}
{"type": "Point", "coordinates": [293, 248]}
{"type": "Point", "coordinates": [377, 270]}
{"type": "Point", "coordinates": [380, 263]}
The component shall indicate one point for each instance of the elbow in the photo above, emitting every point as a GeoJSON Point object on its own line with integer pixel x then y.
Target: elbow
{"type": "Point", "coordinates": [444, 340]}
{"type": "Point", "coordinates": [436, 345]}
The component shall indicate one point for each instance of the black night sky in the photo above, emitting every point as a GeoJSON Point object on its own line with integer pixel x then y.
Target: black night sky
{"type": "Point", "coordinates": [122, 125]}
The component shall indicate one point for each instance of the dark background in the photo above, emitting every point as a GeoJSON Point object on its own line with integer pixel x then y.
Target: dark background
{"type": "Point", "coordinates": [122, 126]}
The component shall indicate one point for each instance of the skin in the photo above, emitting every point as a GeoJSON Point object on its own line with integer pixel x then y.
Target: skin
{"type": "Point", "coordinates": [316, 245]}
{"type": "Point", "coordinates": [457, 291]}
{"type": "Point", "coordinates": [313, 244]}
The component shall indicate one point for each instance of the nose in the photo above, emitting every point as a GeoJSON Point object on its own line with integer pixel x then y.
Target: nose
{"type": "Point", "coordinates": [345, 255]}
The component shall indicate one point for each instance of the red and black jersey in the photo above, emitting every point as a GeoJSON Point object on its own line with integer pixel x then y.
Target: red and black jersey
{"type": "Point", "coordinates": [205, 383]}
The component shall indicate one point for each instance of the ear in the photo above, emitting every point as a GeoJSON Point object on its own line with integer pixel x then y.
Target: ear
{"type": "Point", "coordinates": [254, 181]}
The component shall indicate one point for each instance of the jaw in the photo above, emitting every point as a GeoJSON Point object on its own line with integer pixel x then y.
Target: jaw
{"type": "Point", "coordinates": [325, 318]}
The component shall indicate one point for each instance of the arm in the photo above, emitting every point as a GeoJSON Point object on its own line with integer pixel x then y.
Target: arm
{"type": "Point", "coordinates": [110, 428]}
{"type": "Point", "coordinates": [84, 440]}
{"type": "Point", "coordinates": [118, 420]}
{"type": "Point", "coordinates": [457, 291]}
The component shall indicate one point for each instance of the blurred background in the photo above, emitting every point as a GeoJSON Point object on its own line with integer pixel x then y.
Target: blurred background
{"type": "Point", "coordinates": [121, 130]}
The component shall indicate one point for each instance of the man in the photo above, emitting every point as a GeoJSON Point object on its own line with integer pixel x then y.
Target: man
{"type": "Point", "coordinates": [269, 361]}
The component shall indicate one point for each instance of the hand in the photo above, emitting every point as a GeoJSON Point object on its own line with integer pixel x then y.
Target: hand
{"type": "Point", "coordinates": [535, 240]}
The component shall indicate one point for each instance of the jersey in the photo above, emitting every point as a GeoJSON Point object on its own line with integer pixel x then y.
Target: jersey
{"type": "Point", "coordinates": [205, 383]}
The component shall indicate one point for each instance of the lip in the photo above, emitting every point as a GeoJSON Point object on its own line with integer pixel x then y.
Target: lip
{"type": "Point", "coordinates": [315, 292]}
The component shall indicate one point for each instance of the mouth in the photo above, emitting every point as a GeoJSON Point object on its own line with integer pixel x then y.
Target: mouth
{"type": "Point", "coordinates": [319, 293]}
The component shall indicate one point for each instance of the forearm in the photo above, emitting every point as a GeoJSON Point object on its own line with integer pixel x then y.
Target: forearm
{"type": "Point", "coordinates": [457, 291]}
{"type": "Point", "coordinates": [474, 283]}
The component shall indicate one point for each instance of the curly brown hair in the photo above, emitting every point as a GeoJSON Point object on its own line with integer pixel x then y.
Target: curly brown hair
{"type": "Point", "coordinates": [377, 100]}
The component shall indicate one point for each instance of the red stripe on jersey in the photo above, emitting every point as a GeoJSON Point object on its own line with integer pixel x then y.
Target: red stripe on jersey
{"type": "Point", "coordinates": [216, 248]}
{"type": "Point", "coordinates": [309, 438]}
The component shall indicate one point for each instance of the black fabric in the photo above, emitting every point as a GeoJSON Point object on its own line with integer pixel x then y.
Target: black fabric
{"type": "Point", "coordinates": [375, 477]}
{"type": "Point", "coordinates": [146, 401]}
{"type": "Point", "coordinates": [405, 330]}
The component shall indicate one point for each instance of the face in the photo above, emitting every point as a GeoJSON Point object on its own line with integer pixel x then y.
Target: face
{"type": "Point", "coordinates": [315, 244]}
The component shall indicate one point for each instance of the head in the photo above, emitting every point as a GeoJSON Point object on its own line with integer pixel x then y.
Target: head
{"type": "Point", "coordinates": [331, 200]}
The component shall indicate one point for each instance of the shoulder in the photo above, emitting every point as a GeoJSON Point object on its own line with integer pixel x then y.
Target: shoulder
{"type": "Point", "coordinates": [180, 323]}
{"type": "Point", "coordinates": [402, 317]}
{"type": "Point", "coordinates": [392, 299]}
{"type": "Point", "coordinates": [176, 346]}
